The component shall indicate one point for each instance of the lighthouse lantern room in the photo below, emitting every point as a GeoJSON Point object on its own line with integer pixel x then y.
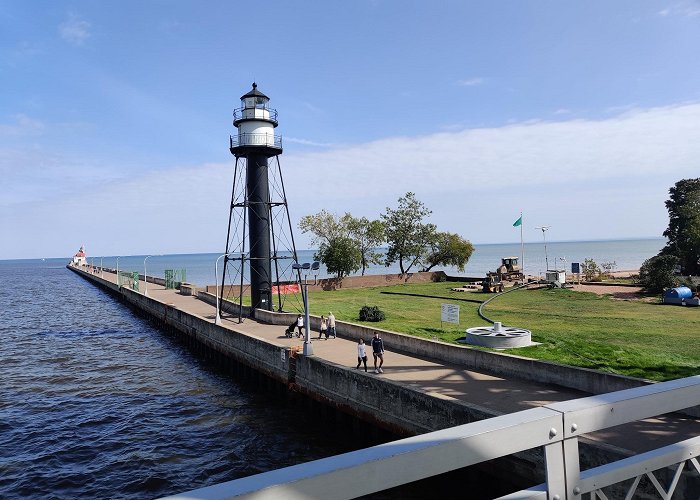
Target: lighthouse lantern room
{"type": "Point", "coordinates": [256, 123]}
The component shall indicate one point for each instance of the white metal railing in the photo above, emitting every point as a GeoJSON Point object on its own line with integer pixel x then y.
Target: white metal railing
{"type": "Point", "coordinates": [554, 427]}
{"type": "Point", "coordinates": [256, 140]}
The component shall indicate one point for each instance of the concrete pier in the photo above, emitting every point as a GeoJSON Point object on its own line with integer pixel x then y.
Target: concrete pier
{"type": "Point", "coordinates": [416, 393]}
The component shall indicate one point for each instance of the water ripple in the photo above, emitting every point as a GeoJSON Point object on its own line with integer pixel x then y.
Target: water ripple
{"type": "Point", "coordinates": [95, 402]}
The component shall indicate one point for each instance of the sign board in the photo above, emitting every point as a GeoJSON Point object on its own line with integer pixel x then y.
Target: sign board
{"type": "Point", "coordinates": [575, 268]}
{"type": "Point", "coordinates": [450, 313]}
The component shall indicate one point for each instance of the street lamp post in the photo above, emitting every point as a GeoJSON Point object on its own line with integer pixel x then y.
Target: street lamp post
{"type": "Point", "coordinates": [546, 260]}
{"type": "Point", "coordinates": [119, 283]}
{"type": "Point", "coordinates": [217, 321]}
{"type": "Point", "coordinates": [308, 348]}
{"type": "Point", "coordinates": [145, 276]}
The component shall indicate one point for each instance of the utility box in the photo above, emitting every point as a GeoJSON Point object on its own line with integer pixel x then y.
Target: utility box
{"type": "Point", "coordinates": [557, 278]}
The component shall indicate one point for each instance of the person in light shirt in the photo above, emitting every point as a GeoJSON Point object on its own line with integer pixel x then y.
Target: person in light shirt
{"type": "Point", "coordinates": [300, 325]}
{"type": "Point", "coordinates": [361, 354]}
{"type": "Point", "coordinates": [331, 324]}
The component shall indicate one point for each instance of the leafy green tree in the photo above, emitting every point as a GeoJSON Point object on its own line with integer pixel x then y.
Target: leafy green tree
{"type": "Point", "coordinates": [590, 269]}
{"type": "Point", "coordinates": [324, 226]}
{"type": "Point", "coordinates": [368, 235]}
{"type": "Point", "coordinates": [659, 273]}
{"type": "Point", "coordinates": [406, 232]}
{"type": "Point", "coordinates": [448, 249]}
{"type": "Point", "coordinates": [328, 229]}
{"type": "Point", "coordinates": [683, 230]}
{"type": "Point", "coordinates": [340, 256]}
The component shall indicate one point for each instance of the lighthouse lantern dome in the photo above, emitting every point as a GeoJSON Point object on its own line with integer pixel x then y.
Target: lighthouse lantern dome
{"type": "Point", "coordinates": [254, 99]}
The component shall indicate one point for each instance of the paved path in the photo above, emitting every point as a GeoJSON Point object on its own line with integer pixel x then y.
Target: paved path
{"type": "Point", "coordinates": [495, 393]}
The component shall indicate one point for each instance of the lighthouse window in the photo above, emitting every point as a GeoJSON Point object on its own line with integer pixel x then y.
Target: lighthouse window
{"type": "Point", "coordinates": [260, 102]}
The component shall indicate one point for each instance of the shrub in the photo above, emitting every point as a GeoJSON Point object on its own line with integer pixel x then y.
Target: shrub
{"type": "Point", "coordinates": [659, 273]}
{"type": "Point", "coordinates": [371, 313]}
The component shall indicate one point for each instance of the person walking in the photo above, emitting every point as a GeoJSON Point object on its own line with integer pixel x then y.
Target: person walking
{"type": "Point", "coordinates": [300, 325]}
{"type": "Point", "coordinates": [331, 324]}
{"type": "Point", "coordinates": [378, 352]}
{"type": "Point", "coordinates": [361, 354]}
{"type": "Point", "coordinates": [323, 329]}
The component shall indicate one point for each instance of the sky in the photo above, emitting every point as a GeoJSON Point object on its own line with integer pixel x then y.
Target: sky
{"type": "Point", "coordinates": [115, 116]}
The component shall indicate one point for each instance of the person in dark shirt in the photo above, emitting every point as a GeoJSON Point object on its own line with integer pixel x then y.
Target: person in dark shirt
{"type": "Point", "coordinates": [378, 352]}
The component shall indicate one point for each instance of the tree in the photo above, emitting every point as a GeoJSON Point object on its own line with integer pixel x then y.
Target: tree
{"type": "Point", "coordinates": [328, 230]}
{"type": "Point", "coordinates": [324, 226]}
{"type": "Point", "coordinates": [406, 233]}
{"type": "Point", "coordinates": [368, 235]}
{"type": "Point", "coordinates": [659, 273]}
{"type": "Point", "coordinates": [448, 249]}
{"type": "Point", "coordinates": [683, 230]}
{"type": "Point", "coordinates": [590, 269]}
{"type": "Point", "coordinates": [340, 256]}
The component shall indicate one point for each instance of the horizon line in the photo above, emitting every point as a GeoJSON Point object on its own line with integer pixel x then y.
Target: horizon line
{"type": "Point", "coordinates": [315, 249]}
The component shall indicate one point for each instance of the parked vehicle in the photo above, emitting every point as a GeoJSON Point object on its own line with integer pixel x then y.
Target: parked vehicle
{"type": "Point", "coordinates": [510, 269]}
{"type": "Point", "coordinates": [492, 283]}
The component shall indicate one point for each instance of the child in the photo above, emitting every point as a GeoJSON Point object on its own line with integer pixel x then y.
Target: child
{"type": "Point", "coordinates": [361, 354]}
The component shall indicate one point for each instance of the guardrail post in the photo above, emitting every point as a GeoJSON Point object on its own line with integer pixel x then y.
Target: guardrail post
{"type": "Point", "coordinates": [572, 468]}
{"type": "Point", "coordinates": [555, 471]}
{"type": "Point", "coordinates": [562, 467]}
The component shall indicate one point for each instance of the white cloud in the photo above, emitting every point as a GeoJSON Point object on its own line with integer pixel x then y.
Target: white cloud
{"type": "Point", "coordinates": [311, 107]}
{"type": "Point", "coordinates": [22, 125]}
{"type": "Point", "coordinates": [471, 82]}
{"type": "Point", "coordinates": [74, 30]}
{"type": "Point", "coordinates": [685, 8]}
{"type": "Point", "coordinates": [635, 144]}
{"type": "Point", "coordinates": [307, 142]}
{"type": "Point", "coordinates": [587, 178]}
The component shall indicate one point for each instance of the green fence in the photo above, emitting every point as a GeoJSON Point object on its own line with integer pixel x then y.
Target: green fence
{"type": "Point", "coordinates": [129, 279]}
{"type": "Point", "coordinates": [174, 277]}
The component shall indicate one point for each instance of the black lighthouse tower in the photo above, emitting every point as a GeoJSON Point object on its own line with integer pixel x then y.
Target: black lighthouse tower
{"type": "Point", "coordinates": [259, 232]}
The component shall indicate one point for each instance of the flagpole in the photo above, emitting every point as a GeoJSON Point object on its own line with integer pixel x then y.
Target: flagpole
{"type": "Point", "coordinates": [522, 247]}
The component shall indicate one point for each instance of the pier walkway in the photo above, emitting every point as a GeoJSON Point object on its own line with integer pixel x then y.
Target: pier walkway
{"type": "Point", "coordinates": [494, 393]}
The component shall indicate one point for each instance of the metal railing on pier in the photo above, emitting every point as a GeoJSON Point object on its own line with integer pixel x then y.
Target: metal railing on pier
{"type": "Point", "coordinates": [555, 427]}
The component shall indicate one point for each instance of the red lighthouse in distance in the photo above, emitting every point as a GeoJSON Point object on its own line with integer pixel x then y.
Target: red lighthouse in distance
{"type": "Point", "coordinates": [79, 259]}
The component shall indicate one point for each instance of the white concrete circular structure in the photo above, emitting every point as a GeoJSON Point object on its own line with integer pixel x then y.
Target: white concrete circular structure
{"type": "Point", "coordinates": [498, 336]}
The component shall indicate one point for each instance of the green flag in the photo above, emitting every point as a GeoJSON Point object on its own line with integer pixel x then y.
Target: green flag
{"type": "Point", "coordinates": [518, 222]}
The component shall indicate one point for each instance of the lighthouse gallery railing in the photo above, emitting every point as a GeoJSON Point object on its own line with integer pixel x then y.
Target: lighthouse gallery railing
{"type": "Point", "coordinates": [554, 427]}
{"type": "Point", "coordinates": [259, 140]}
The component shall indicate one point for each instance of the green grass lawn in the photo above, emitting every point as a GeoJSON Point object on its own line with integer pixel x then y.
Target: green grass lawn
{"type": "Point", "coordinates": [641, 339]}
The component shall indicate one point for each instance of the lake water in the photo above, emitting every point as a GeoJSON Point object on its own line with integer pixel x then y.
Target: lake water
{"type": "Point", "coordinates": [95, 402]}
{"type": "Point", "coordinates": [627, 254]}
